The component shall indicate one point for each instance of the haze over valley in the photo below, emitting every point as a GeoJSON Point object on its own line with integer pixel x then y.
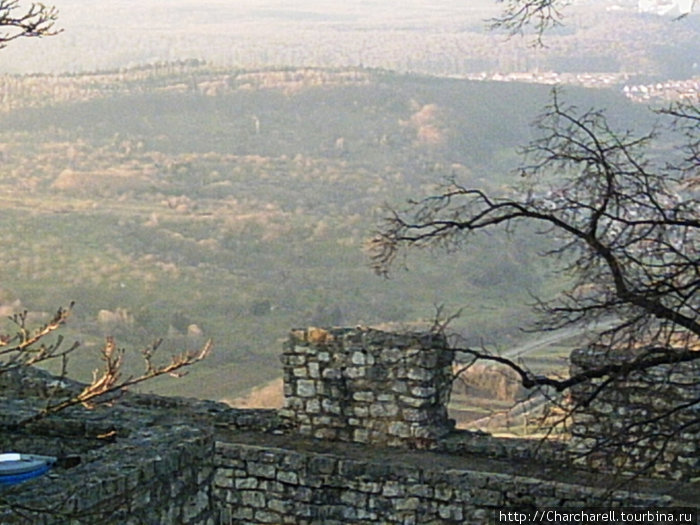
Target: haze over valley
{"type": "Point", "coordinates": [214, 170]}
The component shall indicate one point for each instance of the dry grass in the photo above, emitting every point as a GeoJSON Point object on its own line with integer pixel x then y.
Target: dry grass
{"type": "Point", "coordinates": [268, 395]}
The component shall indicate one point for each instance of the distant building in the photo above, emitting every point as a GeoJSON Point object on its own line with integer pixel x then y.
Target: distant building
{"type": "Point", "coordinates": [666, 7]}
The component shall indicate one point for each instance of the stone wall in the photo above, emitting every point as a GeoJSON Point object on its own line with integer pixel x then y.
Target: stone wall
{"type": "Point", "coordinates": [340, 452]}
{"type": "Point", "coordinates": [621, 429]}
{"type": "Point", "coordinates": [367, 386]}
{"type": "Point", "coordinates": [193, 463]}
{"type": "Point", "coordinates": [264, 484]}
{"type": "Point", "coordinates": [130, 469]}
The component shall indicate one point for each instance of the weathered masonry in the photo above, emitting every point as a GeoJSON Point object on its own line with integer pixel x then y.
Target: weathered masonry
{"type": "Point", "coordinates": [620, 429]}
{"type": "Point", "coordinates": [343, 450]}
{"type": "Point", "coordinates": [347, 483]}
{"type": "Point", "coordinates": [368, 386]}
{"type": "Point", "coordinates": [132, 470]}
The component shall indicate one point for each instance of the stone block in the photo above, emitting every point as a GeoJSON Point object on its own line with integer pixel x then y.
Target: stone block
{"type": "Point", "coordinates": [264, 516]}
{"type": "Point", "coordinates": [313, 406]}
{"type": "Point", "coordinates": [412, 415]}
{"type": "Point", "coordinates": [420, 374]}
{"type": "Point", "coordinates": [279, 505]}
{"type": "Point", "coordinates": [360, 435]}
{"type": "Point", "coordinates": [322, 464]}
{"type": "Point", "coordinates": [294, 360]}
{"type": "Point", "coordinates": [423, 392]}
{"type": "Point", "coordinates": [383, 410]}
{"type": "Point", "coordinates": [443, 493]}
{"type": "Point", "coordinates": [301, 371]}
{"type": "Point", "coordinates": [246, 483]}
{"type": "Point", "coordinates": [293, 460]}
{"type": "Point", "coordinates": [370, 487]}
{"type": "Point", "coordinates": [393, 489]}
{"type": "Point", "coordinates": [314, 371]}
{"type": "Point", "coordinates": [391, 355]}
{"type": "Point", "coordinates": [223, 477]}
{"type": "Point", "coordinates": [325, 433]}
{"type": "Point", "coordinates": [399, 387]}
{"type": "Point", "coordinates": [322, 421]}
{"type": "Point", "coordinates": [262, 470]}
{"type": "Point", "coordinates": [291, 478]}
{"type": "Point", "coordinates": [242, 513]}
{"type": "Point", "coordinates": [360, 411]}
{"type": "Point", "coordinates": [399, 429]}
{"type": "Point", "coordinates": [358, 358]}
{"type": "Point", "coordinates": [331, 373]}
{"type": "Point", "coordinates": [402, 504]}
{"type": "Point", "coordinates": [356, 499]}
{"type": "Point", "coordinates": [331, 406]}
{"type": "Point", "coordinates": [306, 388]}
{"type": "Point", "coordinates": [412, 401]}
{"type": "Point", "coordinates": [422, 491]}
{"type": "Point", "coordinates": [293, 403]}
{"type": "Point", "coordinates": [253, 498]}
{"type": "Point", "coordinates": [355, 372]}
{"type": "Point", "coordinates": [364, 396]}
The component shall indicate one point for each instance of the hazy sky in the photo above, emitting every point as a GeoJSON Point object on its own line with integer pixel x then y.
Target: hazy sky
{"type": "Point", "coordinates": [260, 33]}
{"type": "Point", "coordinates": [128, 32]}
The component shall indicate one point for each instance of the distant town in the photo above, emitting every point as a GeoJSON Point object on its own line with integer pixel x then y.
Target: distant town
{"type": "Point", "coordinates": [670, 90]}
{"type": "Point", "coordinates": [666, 7]}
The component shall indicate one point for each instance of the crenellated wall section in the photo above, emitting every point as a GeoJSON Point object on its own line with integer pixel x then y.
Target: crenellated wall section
{"type": "Point", "coordinates": [368, 386]}
{"type": "Point", "coordinates": [347, 448]}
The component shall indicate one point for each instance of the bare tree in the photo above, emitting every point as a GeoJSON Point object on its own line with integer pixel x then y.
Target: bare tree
{"type": "Point", "coordinates": [628, 229]}
{"type": "Point", "coordinates": [518, 15]}
{"type": "Point", "coordinates": [686, 116]}
{"type": "Point", "coordinates": [37, 20]}
{"type": "Point", "coordinates": [625, 225]}
{"type": "Point", "coordinates": [28, 347]}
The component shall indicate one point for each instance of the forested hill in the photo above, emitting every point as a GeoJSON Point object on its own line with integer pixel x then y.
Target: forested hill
{"type": "Point", "coordinates": [189, 202]}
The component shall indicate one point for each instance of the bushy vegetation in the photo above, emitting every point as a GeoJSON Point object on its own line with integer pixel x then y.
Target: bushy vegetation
{"type": "Point", "coordinates": [201, 202]}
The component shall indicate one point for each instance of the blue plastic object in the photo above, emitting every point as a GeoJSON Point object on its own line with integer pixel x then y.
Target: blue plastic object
{"type": "Point", "coordinates": [16, 468]}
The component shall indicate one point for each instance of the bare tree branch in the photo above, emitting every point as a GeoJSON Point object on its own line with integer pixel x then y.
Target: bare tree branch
{"type": "Point", "coordinates": [16, 22]}
{"type": "Point", "coordinates": [625, 231]}
{"type": "Point", "coordinates": [28, 347]}
{"type": "Point", "coordinates": [519, 15]}
{"type": "Point", "coordinates": [108, 380]}
{"type": "Point", "coordinates": [649, 358]}
{"type": "Point", "coordinates": [20, 349]}
{"type": "Point", "coordinates": [623, 224]}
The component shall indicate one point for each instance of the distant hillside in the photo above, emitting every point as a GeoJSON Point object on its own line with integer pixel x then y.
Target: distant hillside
{"type": "Point", "coordinates": [445, 37]}
{"type": "Point", "coordinates": [192, 202]}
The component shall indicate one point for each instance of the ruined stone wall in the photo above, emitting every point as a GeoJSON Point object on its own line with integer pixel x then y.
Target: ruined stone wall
{"type": "Point", "coordinates": [130, 469]}
{"type": "Point", "coordinates": [622, 427]}
{"type": "Point", "coordinates": [263, 484]}
{"type": "Point", "coordinates": [367, 386]}
{"type": "Point", "coordinates": [371, 397]}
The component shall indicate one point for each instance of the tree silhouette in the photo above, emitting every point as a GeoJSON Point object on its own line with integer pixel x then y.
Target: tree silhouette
{"type": "Point", "coordinates": [518, 15]}
{"type": "Point", "coordinates": [540, 15]}
{"type": "Point", "coordinates": [623, 214]}
{"type": "Point", "coordinates": [37, 20]}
